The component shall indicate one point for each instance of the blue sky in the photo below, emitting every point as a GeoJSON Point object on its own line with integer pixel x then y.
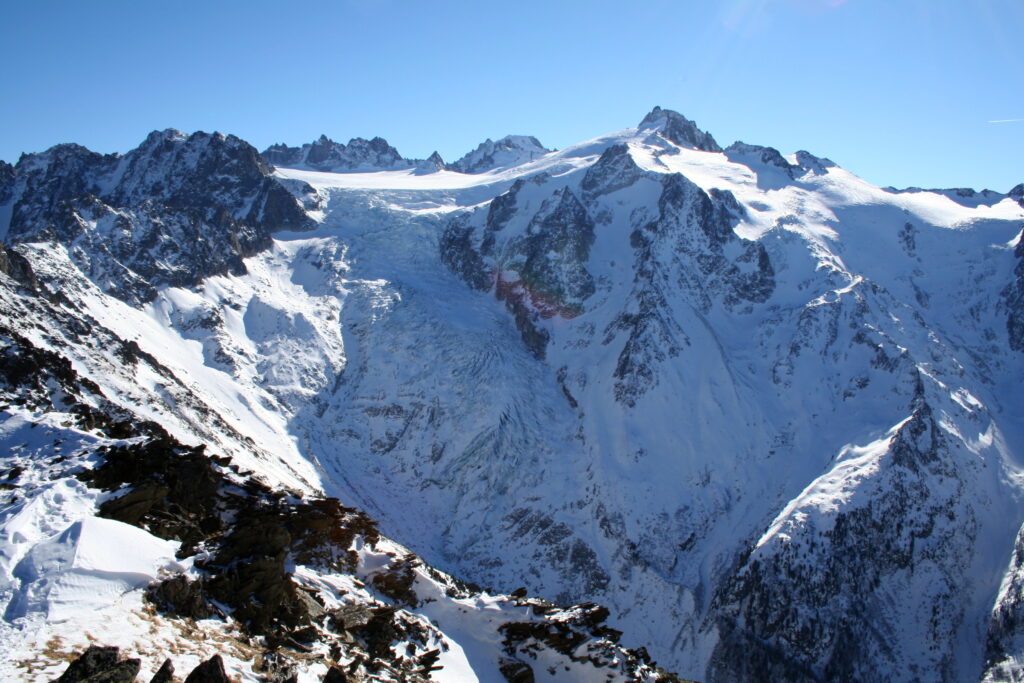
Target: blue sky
{"type": "Point", "coordinates": [902, 92]}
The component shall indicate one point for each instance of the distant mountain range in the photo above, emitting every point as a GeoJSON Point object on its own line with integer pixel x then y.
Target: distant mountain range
{"type": "Point", "coordinates": [367, 156]}
{"type": "Point", "coordinates": [261, 410]}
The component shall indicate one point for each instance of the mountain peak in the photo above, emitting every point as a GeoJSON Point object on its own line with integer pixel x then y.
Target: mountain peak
{"type": "Point", "coordinates": [676, 128]}
{"type": "Point", "coordinates": [324, 154]}
{"type": "Point", "coordinates": [509, 151]}
{"type": "Point", "coordinates": [166, 134]}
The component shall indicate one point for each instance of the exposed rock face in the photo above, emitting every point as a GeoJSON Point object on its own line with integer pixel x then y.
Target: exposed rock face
{"type": "Point", "coordinates": [677, 128]}
{"type": "Point", "coordinates": [18, 268]}
{"type": "Point", "coordinates": [101, 665]}
{"type": "Point", "coordinates": [511, 150]}
{"type": "Point", "coordinates": [432, 164]}
{"type": "Point", "coordinates": [553, 253]}
{"type": "Point", "coordinates": [539, 272]}
{"type": "Point", "coordinates": [769, 156]}
{"type": "Point", "coordinates": [6, 181]}
{"type": "Point", "coordinates": [782, 609]}
{"type": "Point", "coordinates": [1017, 193]}
{"type": "Point", "coordinates": [171, 212]}
{"type": "Point", "coordinates": [1013, 297]}
{"type": "Point", "coordinates": [1006, 628]}
{"type": "Point", "coordinates": [210, 671]}
{"type": "Point", "coordinates": [325, 154]}
{"type": "Point", "coordinates": [165, 674]}
{"type": "Point", "coordinates": [686, 240]}
{"type": "Point", "coordinates": [812, 163]}
{"type": "Point", "coordinates": [534, 255]}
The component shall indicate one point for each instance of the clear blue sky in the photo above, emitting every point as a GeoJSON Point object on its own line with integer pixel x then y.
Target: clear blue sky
{"type": "Point", "coordinates": [902, 92]}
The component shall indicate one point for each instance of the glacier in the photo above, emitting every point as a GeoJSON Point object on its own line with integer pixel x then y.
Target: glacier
{"type": "Point", "coordinates": [767, 413]}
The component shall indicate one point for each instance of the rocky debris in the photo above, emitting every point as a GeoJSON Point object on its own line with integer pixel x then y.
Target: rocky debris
{"type": "Point", "coordinates": [101, 665]}
{"type": "Point", "coordinates": [579, 634]}
{"type": "Point", "coordinates": [180, 493]}
{"type": "Point", "coordinates": [174, 489]}
{"type": "Point", "coordinates": [173, 211]}
{"type": "Point", "coordinates": [509, 151]}
{"type": "Point", "coordinates": [676, 128]}
{"type": "Point", "coordinates": [250, 535]}
{"type": "Point", "coordinates": [335, 675]}
{"type": "Point", "coordinates": [180, 597]}
{"type": "Point", "coordinates": [396, 580]}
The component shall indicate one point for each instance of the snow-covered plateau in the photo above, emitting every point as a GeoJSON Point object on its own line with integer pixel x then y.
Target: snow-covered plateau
{"type": "Point", "coordinates": [298, 409]}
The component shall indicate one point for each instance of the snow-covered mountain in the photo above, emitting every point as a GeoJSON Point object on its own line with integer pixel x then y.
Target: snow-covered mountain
{"type": "Point", "coordinates": [359, 154]}
{"type": "Point", "coordinates": [509, 151]}
{"type": "Point", "coordinates": [767, 413]}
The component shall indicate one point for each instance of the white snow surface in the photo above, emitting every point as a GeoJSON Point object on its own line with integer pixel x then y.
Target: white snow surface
{"type": "Point", "coordinates": [359, 366]}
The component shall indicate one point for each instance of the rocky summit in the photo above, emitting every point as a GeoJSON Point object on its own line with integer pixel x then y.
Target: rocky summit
{"type": "Point", "coordinates": [640, 409]}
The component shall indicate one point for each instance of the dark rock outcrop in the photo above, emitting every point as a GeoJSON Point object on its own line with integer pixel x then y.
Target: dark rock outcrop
{"type": "Point", "coordinates": [101, 665]}
{"type": "Point", "coordinates": [511, 150]}
{"type": "Point", "coordinates": [813, 164]}
{"type": "Point", "coordinates": [676, 128]}
{"type": "Point", "coordinates": [165, 674]}
{"type": "Point", "coordinates": [1017, 193]}
{"type": "Point", "coordinates": [463, 256]}
{"type": "Point", "coordinates": [782, 609]}
{"type": "Point", "coordinates": [18, 268]}
{"type": "Point", "coordinates": [613, 171]}
{"type": "Point", "coordinates": [210, 671]}
{"type": "Point", "coordinates": [685, 244]}
{"type": "Point", "coordinates": [741, 152]}
{"type": "Point", "coordinates": [551, 258]}
{"type": "Point", "coordinates": [1013, 299]}
{"type": "Point", "coordinates": [173, 211]}
{"type": "Point", "coordinates": [431, 164]}
{"type": "Point", "coordinates": [324, 154]}
{"type": "Point", "coordinates": [539, 273]}
{"type": "Point", "coordinates": [6, 182]}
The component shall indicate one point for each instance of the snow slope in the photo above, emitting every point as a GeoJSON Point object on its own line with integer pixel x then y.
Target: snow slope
{"type": "Point", "coordinates": [768, 413]}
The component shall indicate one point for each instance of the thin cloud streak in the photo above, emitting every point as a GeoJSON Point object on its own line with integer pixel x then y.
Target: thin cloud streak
{"type": "Point", "coordinates": [1006, 121]}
